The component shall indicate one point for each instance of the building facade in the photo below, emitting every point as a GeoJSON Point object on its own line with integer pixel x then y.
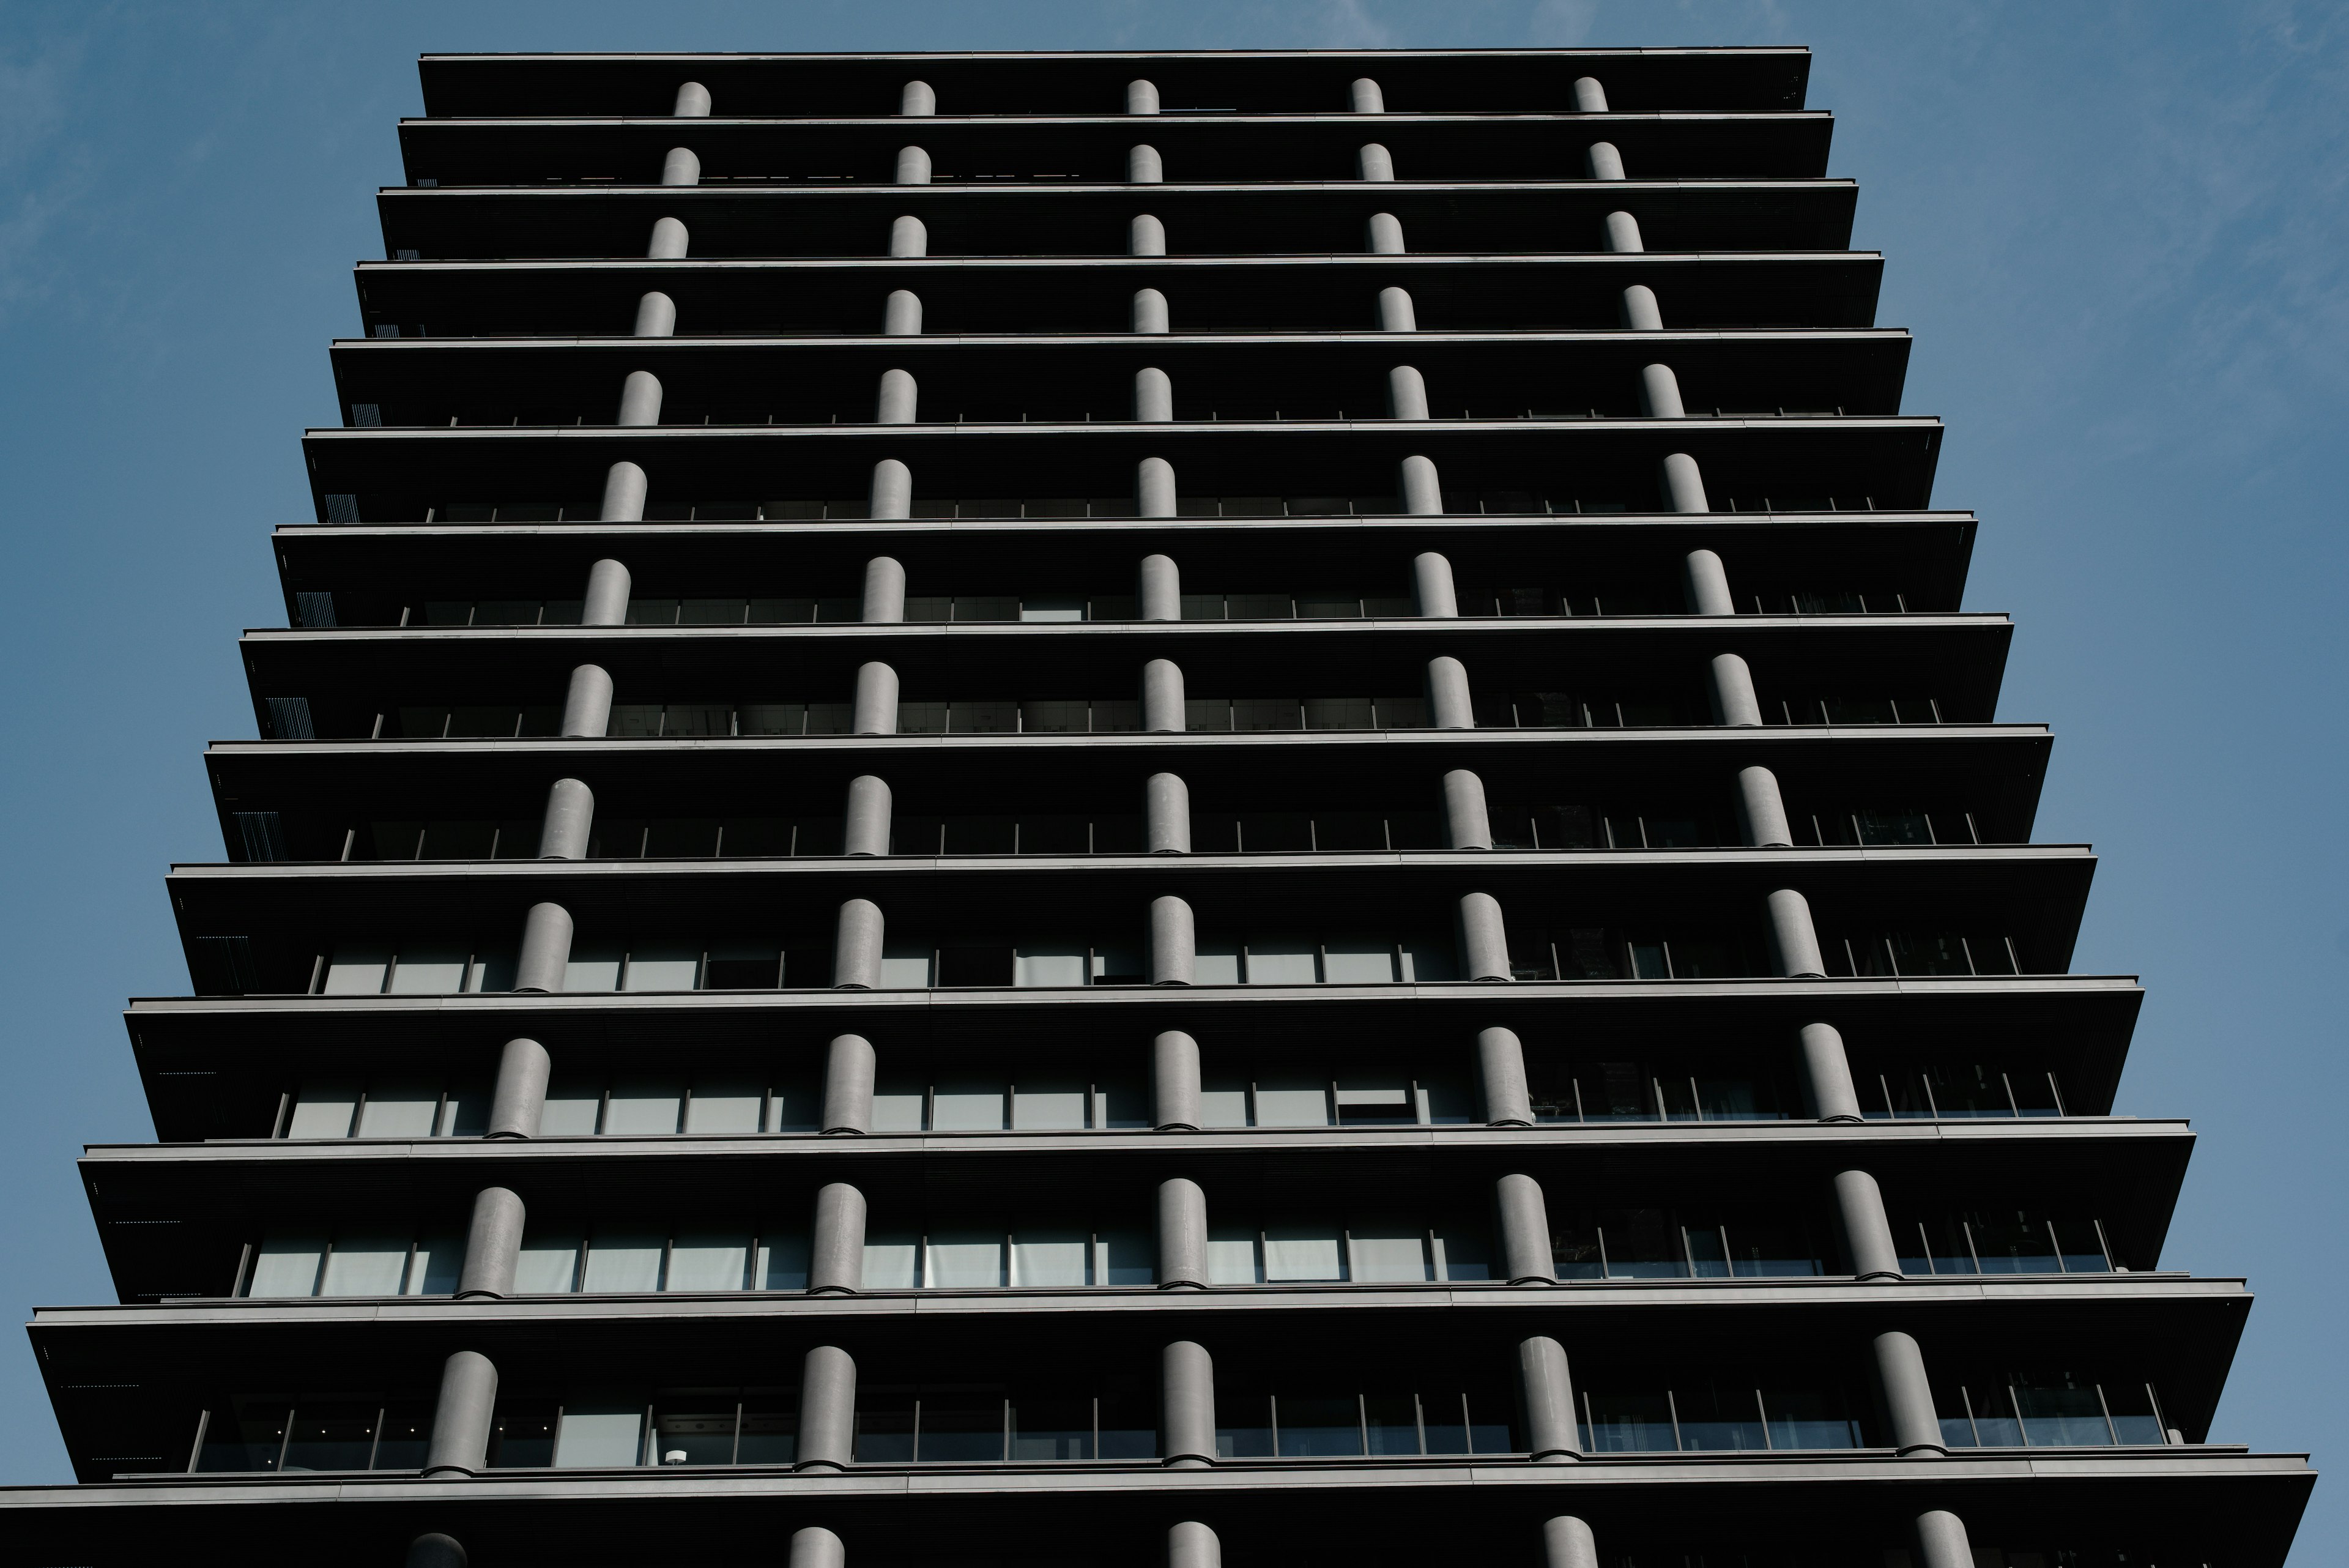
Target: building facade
{"type": "Point", "coordinates": [863, 932]}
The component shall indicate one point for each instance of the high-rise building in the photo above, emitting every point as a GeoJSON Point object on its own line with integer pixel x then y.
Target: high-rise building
{"type": "Point", "coordinates": [1128, 808]}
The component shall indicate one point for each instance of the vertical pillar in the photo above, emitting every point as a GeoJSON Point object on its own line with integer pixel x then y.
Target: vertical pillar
{"type": "Point", "coordinates": [519, 1102]}
{"type": "Point", "coordinates": [884, 592]}
{"type": "Point", "coordinates": [1422, 490]}
{"type": "Point", "coordinates": [1908, 1396]}
{"type": "Point", "coordinates": [1589, 98]}
{"type": "Point", "coordinates": [1684, 485]}
{"type": "Point", "coordinates": [827, 1409]}
{"type": "Point", "coordinates": [893, 491]}
{"type": "Point", "coordinates": [1175, 1083]}
{"type": "Point", "coordinates": [1144, 166]}
{"type": "Point", "coordinates": [1187, 1404]}
{"type": "Point", "coordinates": [1467, 823]}
{"type": "Point", "coordinates": [1705, 582]}
{"type": "Point", "coordinates": [874, 712]}
{"type": "Point", "coordinates": [1174, 942]}
{"type": "Point", "coordinates": [564, 833]}
{"type": "Point", "coordinates": [1396, 313]}
{"type": "Point", "coordinates": [1382, 235]}
{"type": "Point", "coordinates": [1484, 939]}
{"type": "Point", "coordinates": [1867, 1234]}
{"type": "Point", "coordinates": [901, 315]}
{"type": "Point", "coordinates": [1660, 393]}
{"type": "Point", "coordinates": [1149, 314]}
{"type": "Point", "coordinates": [625, 488]}
{"type": "Point", "coordinates": [434, 1550]}
{"type": "Point", "coordinates": [640, 401]}
{"type": "Point", "coordinates": [656, 315]}
{"type": "Point", "coordinates": [1640, 311]}
{"type": "Point", "coordinates": [546, 948]}
{"type": "Point", "coordinates": [1372, 162]}
{"type": "Point", "coordinates": [813, 1546]}
{"type": "Point", "coordinates": [1793, 942]}
{"type": "Point", "coordinates": [1940, 1541]}
{"type": "Point", "coordinates": [493, 1244]}
{"type": "Point", "coordinates": [669, 242]}
{"type": "Point", "coordinates": [1166, 808]}
{"type": "Point", "coordinates": [1449, 706]}
{"type": "Point", "coordinates": [1548, 1389]}
{"type": "Point", "coordinates": [913, 166]}
{"type": "Point", "coordinates": [856, 946]}
{"type": "Point", "coordinates": [1501, 1074]}
{"type": "Point", "coordinates": [1161, 698]}
{"type": "Point", "coordinates": [1433, 594]}
{"type": "Point", "coordinates": [1601, 161]}
{"type": "Point", "coordinates": [1406, 393]}
{"type": "Point", "coordinates": [606, 602]}
{"type": "Point", "coordinates": [1826, 1074]}
{"type": "Point", "coordinates": [1566, 1543]}
{"type": "Point", "coordinates": [1182, 1234]}
{"type": "Point", "coordinates": [1154, 395]}
{"type": "Point", "coordinates": [1141, 96]}
{"type": "Point", "coordinates": [1525, 1255]}
{"type": "Point", "coordinates": [918, 99]}
{"type": "Point", "coordinates": [1365, 96]}
{"type": "Point", "coordinates": [1761, 812]}
{"type": "Point", "coordinates": [681, 166]}
{"type": "Point", "coordinates": [1145, 236]}
{"type": "Point", "coordinates": [836, 1242]}
{"type": "Point", "coordinates": [1623, 234]}
{"type": "Point", "coordinates": [898, 400]}
{"type": "Point", "coordinates": [849, 1064]}
{"type": "Point", "coordinates": [588, 704]}
{"type": "Point", "coordinates": [1154, 488]}
{"type": "Point", "coordinates": [909, 238]}
{"type": "Point", "coordinates": [461, 1415]}
{"type": "Point", "coordinates": [1160, 588]}
{"type": "Point", "coordinates": [867, 822]}
{"type": "Point", "coordinates": [1734, 702]}
{"type": "Point", "coordinates": [692, 101]}
{"type": "Point", "coordinates": [1191, 1545]}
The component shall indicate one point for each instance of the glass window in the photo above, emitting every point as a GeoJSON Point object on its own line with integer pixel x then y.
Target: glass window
{"type": "Point", "coordinates": [708, 1259]}
{"type": "Point", "coordinates": [548, 1263]}
{"type": "Point", "coordinates": [1302, 1252]}
{"type": "Point", "coordinates": [1232, 1256]}
{"type": "Point", "coordinates": [770, 1432]}
{"type": "Point", "coordinates": [1223, 1103]}
{"type": "Point", "coordinates": [1216, 963]}
{"type": "Point", "coordinates": [1049, 963]}
{"type": "Point", "coordinates": [323, 1109]}
{"type": "Point", "coordinates": [2010, 1242]}
{"type": "Point", "coordinates": [395, 1110]}
{"type": "Point", "coordinates": [1282, 960]}
{"type": "Point", "coordinates": [905, 966]}
{"type": "Point", "coordinates": [691, 1431]}
{"type": "Point", "coordinates": [743, 966]}
{"type": "Point", "coordinates": [434, 1270]}
{"type": "Point", "coordinates": [1390, 1251]}
{"type": "Point", "coordinates": [1359, 960]}
{"type": "Point", "coordinates": [287, 1263]}
{"type": "Point", "coordinates": [782, 1261]}
{"type": "Point", "coordinates": [1808, 1419]}
{"type": "Point", "coordinates": [1041, 1104]}
{"type": "Point", "coordinates": [1292, 1102]}
{"type": "Point", "coordinates": [644, 1107]}
{"type": "Point", "coordinates": [724, 1106]}
{"type": "Point", "coordinates": [593, 966]}
{"type": "Point", "coordinates": [1628, 1423]}
{"type": "Point", "coordinates": [522, 1436]}
{"type": "Point", "coordinates": [893, 1260]}
{"type": "Point", "coordinates": [245, 1437]}
{"type": "Point", "coordinates": [663, 966]}
{"type": "Point", "coordinates": [967, 1104]}
{"type": "Point", "coordinates": [1712, 1417]}
{"type": "Point", "coordinates": [600, 1433]}
{"type": "Point", "coordinates": [623, 1259]}
{"type": "Point", "coordinates": [357, 970]}
{"type": "Point", "coordinates": [365, 1265]}
{"type": "Point", "coordinates": [1315, 1425]}
{"type": "Point", "coordinates": [331, 1437]}
{"type": "Point", "coordinates": [2060, 1412]}
{"type": "Point", "coordinates": [965, 1257]}
{"type": "Point", "coordinates": [573, 1108]}
{"type": "Point", "coordinates": [1045, 1255]}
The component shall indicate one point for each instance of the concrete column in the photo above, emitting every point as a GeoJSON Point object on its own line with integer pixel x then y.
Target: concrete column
{"type": "Point", "coordinates": [1940, 1541]}
{"type": "Point", "coordinates": [1826, 1074]}
{"type": "Point", "coordinates": [681, 166]}
{"type": "Point", "coordinates": [909, 238]}
{"type": "Point", "coordinates": [1154, 488]}
{"type": "Point", "coordinates": [692, 101]}
{"type": "Point", "coordinates": [1501, 1075]}
{"type": "Point", "coordinates": [1406, 393]}
{"type": "Point", "coordinates": [1150, 311]}
{"type": "Point", "coordinates": [867, 823]}
{"type": "Point", "coordinates": [1174, 1083]}
{"type": "Point", "coordinates": [884, 592]}
{"type": "Point", "coordinates": [493, 1244]}
{"type": "Point", "coordinates": [656, 315]}
{"type": "Point", "coordinates": [1548, 1389]}
{"type": "Point", "coordinates": [1640, 311]}
{"type": "Point", "coordinates": [899, 401]}
{"type": "Point", "coordinates": [1396, 313]}
{"type": "Point", "coordinates": [546, 948]}
{"type": "Point", "coordinates": [1660, 393]}
{"type": "Point", "coordinates": [570, 819]}
{"type": "Point", "coordinates": [1145, 236]}
{"type": "Point", "coordinates": [1793, 944]}
{"type": "Point", "coordinates": [913, 166]}
{"type": "Point", "coordinates": [1623, 234]}
{"type": "Point", "coordinates": [1166, 808]}
{"type": "Point", "coordinates": [1566, 1543]}
{"type": "Point", "coordinates": [918, 99]}
{"type": "Point", "coordinates": [1467, 824]}
{"type": "Point", "coordinates": [1144, 166]}
{"type": "Point", "coordinates": [1174, 942]}
{"type": "Point", "coordinates": [1191, 1545]}
{"type": "Point", "coordinates": [1908, 1396]}
{"type": "Point", "coordinates": [640, 399]}
{"type": "Point", "coordinates": [1154, 395]}
{"type": "Point", "coordinates": [827, 1409]}
{"type": "Point", "coordinates": [1181, 1233]}
{"type": "Point", "coordinates": [461, 1416]}
{"type": "Point", "coordinates": [1366, 96]}
{"type": "Point", "coordinates": [625, 488]}
{"type": "Point", "coordinates": [588, 704]}
{"type": "Point", "coordinates": [1374, 161]}
{"type": "Point", "coordinates": [1525, 1255]}
{"type": "Point", "coordinates": [1449, 706]}
{"type": "Point", "coordinates": [519, 1101]}
{"type": "Point", "coordinates": [1187, 1404]}
{"type": "Point", "coordinates": [1867, 1234]}
{"type": "Point", "coordinates": [1601, 161]}
{"type": "Point", "coordinates": [1161, 698]}
{"type": "Point", "coordinates": [856, 946]}
{"type": "Point", "coordinates": [901, 316]}
{"type": "Point", "coordinates": [1161, 588]}
{"type": "Point", "coordinates": [606, 602]}
{"type": "Point", "coordinates": [849, 1063]}
{"type": "Point", "coordinates": [1432, 595]}
{"type": "Point", "coordinates": [1706, 583]}
{"type": "Point", "coordinates": [893, 491]}
{"type": "Point", "coordinates": [1760, 811]}
{"type": "Point", "coordinates": [875, 709]}
{"type": "Point", "coordinates": [1683, 485]}
{"type": "Point", "coordinates": [1141, 96]}
{"type": "Point", "coordinates": [836, 1242]}
{"type": "Point", "coordinates": [813, 1546]}
{"type": "Point", "coordinates": [1484, 939]}
{"type": "Point", "coordinates": [1422, 490]}
{"type": "Point", "coordinates": [1733, 703]}
{"type": "Point", "coordinates": [434, 1550]}
{"type": "Point", "coordinates": [669, 241]}
{"type": "Point", "coordinates": [1384, 235]}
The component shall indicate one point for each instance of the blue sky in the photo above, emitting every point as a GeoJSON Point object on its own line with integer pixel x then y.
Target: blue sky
{"type": "Point", "coordinates": [2117, 229]}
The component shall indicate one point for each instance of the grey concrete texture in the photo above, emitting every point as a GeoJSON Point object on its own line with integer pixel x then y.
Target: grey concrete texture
{"type": "Point", "coordinates": [850, 1068]}
{"type": "Point", "coordinates": [1501, 1078]}
{"type": "Point", "coordinates": [546, 933]}
{"type": "Point", "coordinates": [836, 1241]}
{"type": "Point", "coordinates": [569, 824]}
{"type": "Point", "coordinates": [1467, 819]}
{"type": "Point", "coordinates": [1174, 1085]}
{"type": "Point", "coordinates": [462, 1414]}
{"type": "Point", "coordinates": [517, 1103]}
{"type": "Point", "coordinates": [1546, 1393]}
{"type": "Point", "coordinates": [493, 1244]}
{"type": "Point", "coordinates": [692, 101]}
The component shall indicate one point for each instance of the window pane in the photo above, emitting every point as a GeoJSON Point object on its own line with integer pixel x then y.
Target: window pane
{"type": "Point", "coordinates": [1359, 960]}
{"type": "Point", "coordinates": [1393, 1423]}
{"type": "Point", "coordinates": [643, 1107]}
{"type": "Point", "coordinates": [905, 966]}
{"type": "Point", "coordinates": [1217, 963]}
{"type": "Point", "coordinates": [357, 970]}
{"type": "Point", "coordinates": [1050, 1255]}
{"type": "Point", "coordinates": [523, 1436]}
{"type": "Point", "coordinates": [288, 1264]}
{"type": "Point", "coordinates": [1629, 1423]}
{"type": "Point", "coordinates": [1126, 1258]}
{"type": "Point", "coordinates": [249, 1438]}
{"type": "Point", "coordinates": [323, 1109]}
{"type": "Point", "coordinates": [573, 1108]}
{"type": "Point", "coordinates": [663, 967]}
{"type": "Point", "coordinates": [1337, 713]}
{"type": "Point", "coordinates": [549, 1264]}
{"type": "Point", "coordinates": [884, 1426]}
{"type": "Point", "coordinates": [364, 1265]}
{"type": "Point", "coordinates": [1282, 960]}
{"type": "Point", "coordinates": [892, 1261]}
{"type": "Point", "coordinates": [592, 966]}
{"type": "Point", "coordinates": [2011, 1243]}
{"type": "Point", "coordinates": [624, 1259]}
{"type": "Point", "coordinates": [1301, 1252]}
{"type": "Point", "coordinates": [1462, 1250]}
{"type": "Point", "coordinates": [694, 1432]}
{"type": "Point", "coordinates": [1224, 1105]}
{"type": "Point", "coordinates": [1049, 963]}
{"type": "Point", "coordinates": [434, 1270]}
{"type": "Point", "coordinates": [1807, 1418]}
{"type": "Point", "coordinates": [770, 1432]}
{"type": "Point", "coordinates": [2135, 1417]}
{"type": "Point", "coordinates": [1051, 1426]}
{"type": "Point", "coordinates": [1258, 713]}
{"type": "Point", "coordinates": [964, 1259]}
{"type": "Point", "coordinates": [1292, 1103]}
{"type": "Point", "coordinates": [2061, 1413]}
{"type": "Point", "coordinates": [1231, 1256]}
{"type": "Point", "coordinates": [959, 1425]}
{"type": "Point", "coordinates": [707, 1260]}
{"type": "Point", "coordinates": [724, 1105]}
{"type": "Point", "coordinates": [743, 966]}
{"type": "Point", "coordinates": [1717, 1417]}
{"type": "Point", "coordinates": [1428, 959]}
{"type": "Point", "coordinates": [406, 1430]}
{"type": "Point", "coordinates": [599, 1433]}
{"type": "Point", "coordinates": [1318, 1425]}
{"type": "Point", "coordinates": [898, 1106]}
{"type": "Point", "coordinates": [967, 1104]}
{"type": "Point", "coordinates": [1047, 1104]}
{"type": "Point", "coordinates": [783, 1263]}
{"type": "Point", "coordinates": [399, 1110]}
{"type": "Point", "coordinates": [426, 969]}
{"type": "Point", "coordinates": [1642, 1245]}
{"type": "Point", "coordinates": [1389, 1252]}
{"type": "Point", "coordinates": [331, 1437]}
